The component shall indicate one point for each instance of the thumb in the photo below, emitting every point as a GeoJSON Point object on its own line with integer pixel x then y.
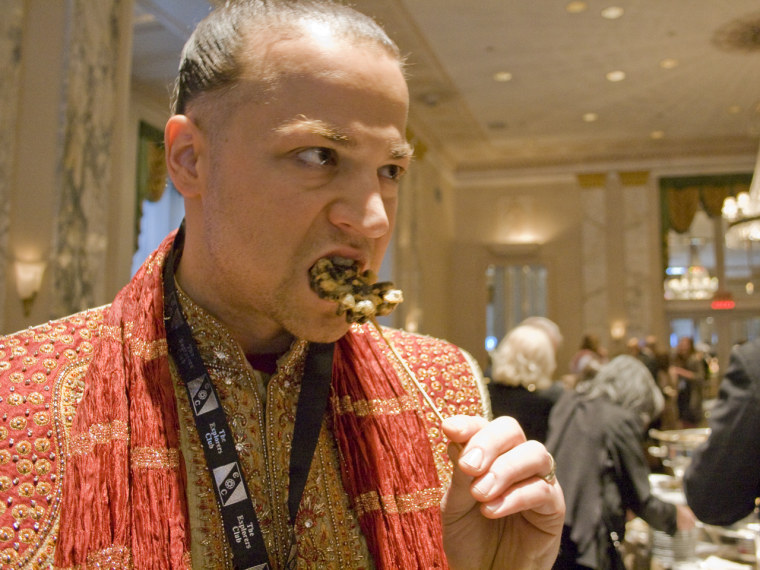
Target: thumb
{"type": "Point", "coordinates": [458, 501]}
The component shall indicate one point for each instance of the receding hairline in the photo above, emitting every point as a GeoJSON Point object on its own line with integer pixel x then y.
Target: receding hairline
{"type": "Point", "coordinates": [230, 44]}
{"type": "Point", "coordinates": [259, 76]}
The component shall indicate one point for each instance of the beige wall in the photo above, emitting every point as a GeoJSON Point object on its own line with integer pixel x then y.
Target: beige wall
{"type": "Point", "coordinates": [531, 221]}
{"type": "Point", "coordinates": [423, 241]}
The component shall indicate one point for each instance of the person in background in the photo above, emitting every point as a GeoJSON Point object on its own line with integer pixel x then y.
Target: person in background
{"type": "Point", "coordinates": [222, 412]}
{"type": "Point", "coordinates": [589, 358]}
{"type": "Point", "coordinates": [635, 348]}
{"type": "Point", "coordinates": [668, 420]}
{"type": "Point", "coordinates": [687, 371]}
{"type": "Point", "coordinates": [548, 326]}
{"type": "Point", "coordinates": [597, 434]}
{"type": "Point", "coordinates": [521, 379]}
{"type": "Point", "coordinates": [722, 482]}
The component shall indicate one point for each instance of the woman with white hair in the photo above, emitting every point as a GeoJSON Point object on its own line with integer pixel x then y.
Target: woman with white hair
{"type": "Point", "coordinates": [521, 384]}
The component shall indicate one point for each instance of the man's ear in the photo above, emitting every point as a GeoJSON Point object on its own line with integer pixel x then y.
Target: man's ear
{"type": "Point", "coordinates": [185, 153]}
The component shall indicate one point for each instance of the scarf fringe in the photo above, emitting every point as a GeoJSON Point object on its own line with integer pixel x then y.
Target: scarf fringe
{"type": "Point", "coordinates": [116, 508]}
{"type": "Point", "coordinates": [390, 471]}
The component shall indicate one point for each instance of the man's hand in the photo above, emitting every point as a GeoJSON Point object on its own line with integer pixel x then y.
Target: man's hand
{"type": "Point", "coordinates": [500, 511]}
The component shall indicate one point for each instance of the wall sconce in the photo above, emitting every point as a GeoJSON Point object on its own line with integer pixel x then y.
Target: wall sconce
{"type": "Point", "coordinates": [617, 330]}
{"type": "Point", "coordinates": [28, 281]}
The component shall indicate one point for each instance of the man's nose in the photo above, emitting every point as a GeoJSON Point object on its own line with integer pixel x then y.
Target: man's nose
{"type": "Point", "coordinates": [362, 210]}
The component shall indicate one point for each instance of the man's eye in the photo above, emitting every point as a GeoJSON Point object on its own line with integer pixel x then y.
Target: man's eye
{"type": "Point", "coordinates": [318, 156]}
{"type": "Point", "coordinates": [392, 171]}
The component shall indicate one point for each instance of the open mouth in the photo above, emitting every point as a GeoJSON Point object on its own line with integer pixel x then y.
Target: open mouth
{"type": "Point", "coordinates": [339, 279]}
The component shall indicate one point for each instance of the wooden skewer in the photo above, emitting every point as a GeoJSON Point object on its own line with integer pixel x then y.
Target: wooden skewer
{"type": "Point", "coordinates": [409, 372]}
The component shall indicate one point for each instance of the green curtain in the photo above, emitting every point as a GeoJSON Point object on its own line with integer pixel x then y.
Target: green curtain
{"type": "Point", "coordinates": [681, 197]}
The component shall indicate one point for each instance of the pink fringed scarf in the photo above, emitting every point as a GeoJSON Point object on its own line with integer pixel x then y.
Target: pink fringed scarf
{"type": "Point", "coordinates": [124, 502]}
{"type": "Point", "coordinates": [390, 472]}
{"type": "Point", "coordinates": [124, 491]}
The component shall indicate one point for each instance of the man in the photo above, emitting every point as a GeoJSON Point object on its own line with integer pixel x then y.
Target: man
{"type": "Point", "coordinates": [722, 482]}
{"type": "Point", "coordinates": [228, 416]}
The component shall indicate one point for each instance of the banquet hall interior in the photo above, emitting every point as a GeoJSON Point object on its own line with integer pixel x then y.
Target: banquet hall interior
{"type": "Point", "coordinates": [594, 162]}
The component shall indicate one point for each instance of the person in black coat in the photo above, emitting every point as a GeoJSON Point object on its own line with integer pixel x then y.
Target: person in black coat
{"type": "Point", "coordinates": [596, 435]}
{"type": "Point", "coordinates": [521, 383]}
{"type": "Point", "coordinates": [723, 479]}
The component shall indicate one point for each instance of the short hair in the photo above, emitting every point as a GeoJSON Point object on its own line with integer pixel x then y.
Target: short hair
{"type": "Point", "coordinates": [525, 357]}
{"type": "Point", "coordinates": [213, 57]}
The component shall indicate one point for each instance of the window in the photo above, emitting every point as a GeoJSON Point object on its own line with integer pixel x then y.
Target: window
{"type": "Point", "coordinates": [515, 292]}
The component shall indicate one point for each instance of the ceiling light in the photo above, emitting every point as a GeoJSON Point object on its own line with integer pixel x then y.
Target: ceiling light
{"type": "Point", "coordinates": [657, 135]}
{"type": "Point", "coordinates": [502, 76]}
{"type": "Point", "coordinates": [669, 63]}
{"type": "Point", "coordinates": [590, 117]}
{"type": "Point", "coordinates": [615, 76]}
{"type": "Point", "coordinates": [612, 13]}
{"type": "Point", "coordinates": [576, 7]}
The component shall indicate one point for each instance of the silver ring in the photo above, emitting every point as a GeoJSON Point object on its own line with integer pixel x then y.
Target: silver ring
{"type": "Point", "coordinates": [552, 475]}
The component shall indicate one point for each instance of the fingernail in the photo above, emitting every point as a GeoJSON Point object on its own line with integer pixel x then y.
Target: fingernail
{"type": "Point", "coordinates": [485, 485]}
{"type": "Point", "coordinates": [473, 458]}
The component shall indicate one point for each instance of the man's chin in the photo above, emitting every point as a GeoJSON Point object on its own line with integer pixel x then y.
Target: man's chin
{"type": "Point", "coordinates": [329, 328]}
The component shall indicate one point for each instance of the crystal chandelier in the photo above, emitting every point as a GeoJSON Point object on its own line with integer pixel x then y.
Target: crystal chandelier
{"type": "Point", "coordinates": [695, 282]}
{"type": "Point", "coordinates": [743, 213]}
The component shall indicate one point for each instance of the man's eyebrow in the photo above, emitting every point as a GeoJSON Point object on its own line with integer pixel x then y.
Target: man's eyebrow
{"type": "Point", "coordinates": [317, 127]}
{"type": "Point", "coordinates": [402, 150]}
{"type": "Point", "coordinates": [399, 150]}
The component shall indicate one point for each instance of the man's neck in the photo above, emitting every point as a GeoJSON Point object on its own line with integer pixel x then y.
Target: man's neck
{"type": "Point", "coordinates": [253, 339]}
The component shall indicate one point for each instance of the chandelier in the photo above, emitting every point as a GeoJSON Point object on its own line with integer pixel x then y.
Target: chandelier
{"type": "Point", "coordinates": [695, 282]}
{"type": "Point", "coordinates": [743, 213]}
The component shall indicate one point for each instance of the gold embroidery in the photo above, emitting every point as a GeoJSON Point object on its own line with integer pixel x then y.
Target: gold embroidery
{"type": "Point", "coordinates": [41, 418]}
{"type": "Point", "coordinates": [15, 399]}
{"type": "Point", "coordinates": [98, 434]}
{"type": "Point", "coordinates": [148, 350]}
{"type": "Point", "coordinates": [327, 528]}
{"type": "Point", "coordinates": [362, 408]}
{"type": "Point", "coordinates": [24, 467]}
{"type": "Point", "coordinates": [112, 557]}
{"type": "Point", "coordinates": [142, 348]}
{"type": "Point", "coordinates": [401, 504]}
{"type": "Point", "coordinates": [154, 458]}
{"type": "Point", "coordinates": [42, 405]}
{"type": "Point", "coordinates": [18, 423]}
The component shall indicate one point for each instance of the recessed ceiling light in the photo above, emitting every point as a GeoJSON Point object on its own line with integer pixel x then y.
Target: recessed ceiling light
{"type": "Point", "coordinates": [612, 13]}
{"type": "Point", "coordinates": [590, 117]}
{"type": "Point", "coordinates": [502, 76]}
{"type": "Point", "coordinates": [657, 135]}
{"type": "Point", "coordinates": [734, 110]}
{"type": "Point", "coordinates": [576, 7]}
{"type": "Point", "coordinates": [669, 63]}
{"type": "Point", "coordinates": [615, 76]}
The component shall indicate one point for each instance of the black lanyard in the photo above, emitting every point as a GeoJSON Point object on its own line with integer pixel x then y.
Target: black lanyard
{"type": "Point", "coordinates": [238, 516]}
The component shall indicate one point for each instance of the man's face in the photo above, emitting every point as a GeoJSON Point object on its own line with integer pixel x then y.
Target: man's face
{"type": "Point", "coordinates": [312, 171]}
